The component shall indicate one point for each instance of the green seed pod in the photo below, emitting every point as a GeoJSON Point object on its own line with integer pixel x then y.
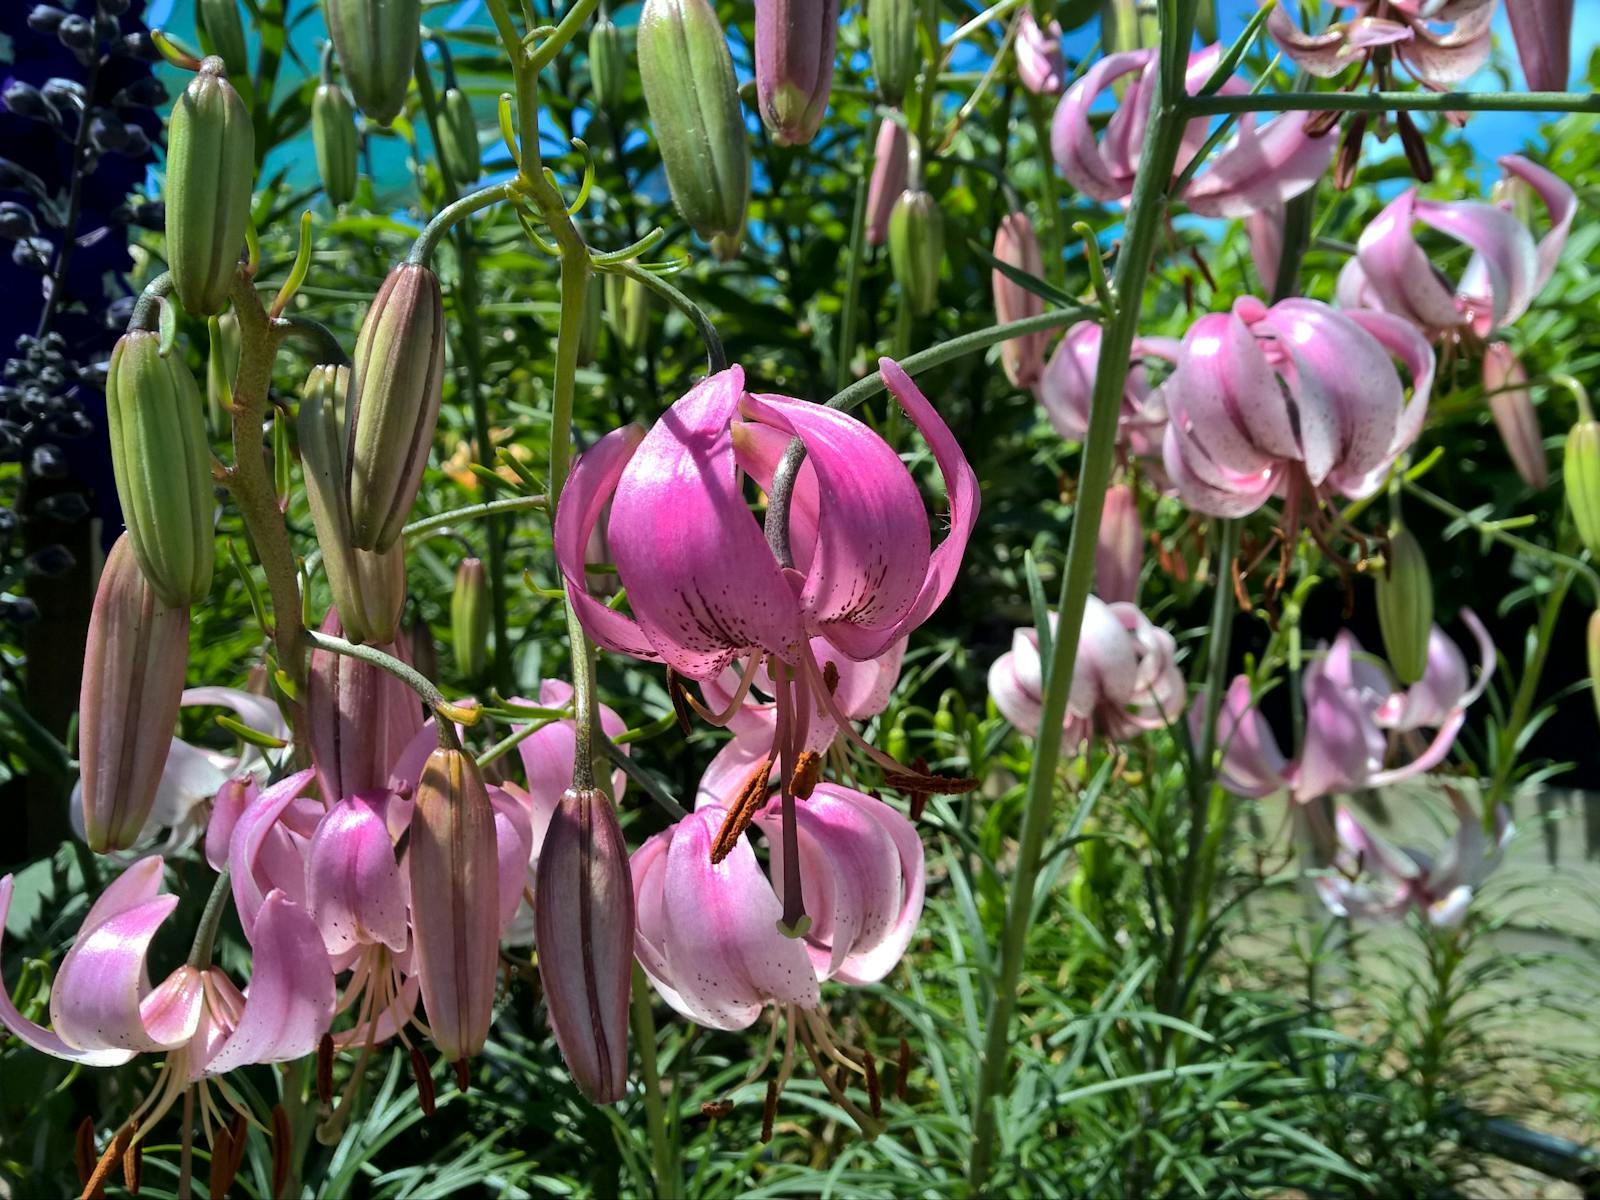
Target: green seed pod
{"type": "Point", "coordinates": [589, 331]}
{"type": "Point", "coordinates": [368, 589]}
{"type": "Point", "coordinates": [606, 64]}
{"type": "Point", "coordinates": [458, 139]}
{"type": "Point", "coordinates": [222, 34]}
{"type": "Point", "coordinates": [628, 308]}
{"type": "Point", "coordinates": [162, 464]}
{"type": "Point", "coordinates": [377, 45]}
{"type": "Point", "coordinates": [333, 134]}
{"type": "Point", "coordinates": [892, 41]}
{"type": "Point", "coordinates": [693, 98]}
{"type": "Point", "coordinates": [211, 164]}
{"type": "Point", "coordinates": [469, 619]}
{"type": "Point", "coordinates": [1405, 607]}
{"type": "Point", "coordinates": [222, 367]}
{"type": "Point", "coordinates": [1581, 474]}
{"type": "Point", "coordinates": [395, 389]}
{"type": "Point", "coordinates": [916, 249]}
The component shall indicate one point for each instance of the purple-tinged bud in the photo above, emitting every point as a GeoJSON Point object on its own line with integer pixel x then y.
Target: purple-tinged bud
{"type": "Point", "coordinates": [469, 619]}
{"type": "Point", "coordinates": [455, 910]}
{"type": "Point", "coordinates": [396, 384]}
{"type": "Point", "coordinates": [584, 923]}
{"type": "Point", "coordinates": [1040, 64]}
{"type": "Point", "coordinates": [1542, 30]}
{"type": "Point", "coordinates": [1511, 405]}
{"type": "Point", "coordinates": [794, 65]}
{"type": "Point", "coordinates": [361, 718]}
{"type": "Point", "coordinates": [1120, 551]}
{"type": "Point", "coordinates": [1016, 246]}
{"type": "Point", "coordinates": [211, 169]}
{"type": "Point", "coordinates": [1405, 607]}
{"type": "Point", "coordinates": [133, 666]}
{"type": "Point", "coordinates": [376, 41]}
{"type": "Point", "coordinates": [890, 162]}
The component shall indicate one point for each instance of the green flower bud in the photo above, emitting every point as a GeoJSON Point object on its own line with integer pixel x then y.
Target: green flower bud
{"type": "Point", "coordinates": [333, 134]}
{"type": "Point", "coordinates": [606, 64]}
{"type": "Point", "coordinates": [892, 40]}
{"type": "Point", "coordinates": [916, 249]}
{"type": "Point", "coordinates": [162, 465]}
{"type": "Point", "coordinates": [1405, 607]}
{"type": "Point", "coordinates": [369, 589]}
{"type": "Point", "coordinates": [377, 45]}
{"type": "Point", "coordinates": [221, 370]}
{"type": "Point", "coordinates": [469, 619]}
{"type": "Point", "coordinates": [395, 388]}
{"type": "Point", "coordinates": [458, 139]}
{"type": "Point", "coordinates": [1581, 473]}
{"type": "Point", "coordinates": [222, 34]}
{"type": "Point", "coordinates": [211, 164]}
{"type": "Point", "coordinates": [628, 308]}
{"type": "Point", "coordinates": [693, 97]}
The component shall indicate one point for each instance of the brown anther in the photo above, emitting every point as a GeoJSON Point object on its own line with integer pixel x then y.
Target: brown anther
{"type": "Point", "coordinates": [919, 800]}
{"type": "Point", "coordinates": [227, 1152]}
{"type": "Point", "coordinates": [830, 676]}
{"type": "Point", "coordinates": [83, 1150]}
{"type": "Point", "coordinates": [742, 811]}
{"type": "Point", "coordinates": [463, 1075]}
{"type": "Point", "coordinates": [930, 782]}
{"type": "Point", "coordinates": [95, 1186]}
{"type": "Point", "coordinates": [1416, 148]}
{"type": "Point", "coordinates": [424, 1078]}
{"type": "Point", "coordinates": [716, 1109]}
{"type": "Point", "coordinates": [1188, 292]}
{"type": "Point", "coordinates": [874, 1091]}
{"type": "Point", "coordinates": [807, 771]}
{"type": "Point", "coordinates": [1349, 155]}
{"type": "Point", "coordinates": [325, 1069]}
{"type": "Point", "coordinates": [133, 1161]}
{"type": "Point", "coordinates": [680, 702]}
{"type": "Point", "coordinates": [769, 1111]}
{"type": "Point", "coordinates": [1239, 594]}
{"type": "Point", "coordinates": [902, 1070]}
{"type": "Point", "coordinates": [282, 1150]}
{"type": "Point", "coordinates": [1319, 124]}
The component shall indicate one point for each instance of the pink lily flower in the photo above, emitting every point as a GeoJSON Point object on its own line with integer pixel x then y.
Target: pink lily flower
{"type": "Point", "coordinates": [1015, 244]}
{"type": "Point", "coordinates": [1543, 33]}
{"type": "Point", "coordinates": [1041, 66]}
{"type": "Point", "coordinates": [1067, 385]}
{"type": "Point", "coordinates": [706, 587]}
{"type": "Point", "coordinates": [103, 1011]}
{"type": "Point", "coordinates": [1407, 28]}
{"type": "Point", "coordinates": [1376, 880]}
{"type": "Point", "coordinates": [1262, 164]}
{"type": "Point", "coordinates": [1125, 680]}
{"type": "Point", "coordinates": [891, 160]}
{"type": "Point", "coordinates": [1350, 706]}
{"type": "Point", "coordinates": [1289, 400]}
{"type": "Point", "coordinates": [1119, 551]}
{"type": "Point", "coordinates": [1511, 406]}
{"type": "Point", "coordinates": [1507, 270]}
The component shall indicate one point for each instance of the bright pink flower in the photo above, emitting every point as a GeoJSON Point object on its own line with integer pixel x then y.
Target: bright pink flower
{"type": "Point", "coordinates": [1040, 64]}
{"type": "Point", "coordinates": [1350, 703]}
{"type": "Point", "coordinates": [1015, 244]}
{"type": "Point", "coordinates": [1376, 880]}
{"type": "Point", "coordinates": [1506, 271]}
{"type": "Point", "coordinates": [891, 159]}
{"type": "Point", "coordinates": [1261, 164]}
{"type": "Point", "coordinates": [1511, 405]}
{"type": "Point", "coordinates": [1273, 401]}
{"type": "Point", "coordinates": [1408, 28]}
{"type": "Point", "coordinates": [1067, 386]}
{"type": "Point", "coordinates": [1543, 33]}
{"type": "Point", "coordinates": [1125, 680]}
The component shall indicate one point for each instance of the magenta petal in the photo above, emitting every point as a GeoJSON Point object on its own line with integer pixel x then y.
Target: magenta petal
{"type": "Point", "coordinates": [232, 798]}
{"type": "Point", "coordinates": [548, 752]}
{"type": "Point", "coordinates": [593, 480]}
{"type": "Point", "coordinates": [1072, 140]}
{"type": "Point", "coordinates": [1225, 398]}
{"type": "Point", "coordinates": [1372, 851]}
{"type": "Point", "coordinates": [1252, 764]}
{"type": "Point", "coordinates": [354, 885]}
{"type": "Point", "coordinates": [738, 759]}
{"type": "Point", "coordinates": [1398, 274]}
{"type": "Point", "coordinates": [1559, 200]}
{"type": "Point", "coordinates": [255, 837]}
{"type": "Point", "coordinates": [1401, 339]}
{"type": "Point", "coordinates": [701, 580]}
{"type": "Point", "coordinates": [758, 449]}
{"type": "Point", "coordinates": [513, 839]}
{"type": "Point", "coordinates": [1261, 166]}
{"type": "Point", "coordinates": [172, 1012]}
{"type": "Point", "coordinates": [1505, 265]}
{"type": "Point", "coordinates": [1213, 490]}
{"type": "Point", "coordinates": [1341, 744]}
{"type": "Point", "coordinates": [289, 1003]}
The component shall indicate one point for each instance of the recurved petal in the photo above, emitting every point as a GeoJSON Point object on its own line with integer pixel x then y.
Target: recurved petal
{"type": "Point", "coordinates": [354, 886]}
{"type": "Point", "coordinates": [1261, 166]}
{"type": "Point", "coordinates": [1252, 764]}
{"type": "Point", "coordinates": [261, 855]}
{"type": "Point", "coordinates": [1505, 264]}
{"type": "Point", "coordinates": [1405, 342]}
{"type": "Point", "coordinates": [1342, 746]}
{"type": "Point", "coordinates": [1072, 140]}
{"type": "Point", "coordinates": [1225, 396]}
{"type": "Point", "coordinates": [1397, 272]}
{"type": "Point", "coordinates": [548, 752]}
{"type": "Point", "coordinates": [1560, 201]}
{"type": "Point", "coordinates": [1207, 487]}
{"type": "Point", "coordinates": [232, 799]}
{"type": "Point", "coordinates": [1440, 59]}
{"type": "Point", "coordinates": [1323, 54]}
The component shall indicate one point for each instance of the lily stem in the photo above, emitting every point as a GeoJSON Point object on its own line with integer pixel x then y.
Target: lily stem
{"type": "Point", "coordinates": [1375, 102]}
{"type": "Point", "coordinates": [644, 1037]}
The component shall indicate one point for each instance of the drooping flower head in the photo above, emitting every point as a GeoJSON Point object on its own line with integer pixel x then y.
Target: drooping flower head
{"type": "Point", "coordinates": [1067, 386]}
{"type": "Point", "coordinates": [1040, 64]}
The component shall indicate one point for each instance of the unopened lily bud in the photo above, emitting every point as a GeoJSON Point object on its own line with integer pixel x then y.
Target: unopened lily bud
{"type": "Point", "coordinates": [377, 45]}
{"type": "Point", "coordinates": [222, 366]}
{"type": "Point", "coordinates": [1511, 406]}
{"type": "Point", "coordinates": [369, 587]}
{"type": "Point", "coordinates": [211, 168]}
{"type": "Point", "coordinates": [1594, 658]}
{"type": "Point", "coordinates": [1581, 477]}
{"type": "Point", "coordinates": [606, 64]}
{"type": "Point", "coordinates": [162, 464]}
{"type": "Point", "coordinates": [395, 388]}
{"type": "Point", "coordinates": [1542, 30]}
{"type": "Point", "coordinates": [360, 716]}
{"type": "Point", "coordinates": [693, 98]}
{"type": "Point", "coordinates": [222, 34]}
{"type": "Point", "coordinates": [1041, 66]}
{"type": "Point", "coordinates": [892, 42]}
{"type": "Point", "coordinates": [1124, 27]}
{"type": "Point", "coordinates": [628, 308]}
{"type": "Point", "coordinates": [916, 249]}
{"type": "Point", "coordinates": [458, 139]}
{"type": "Point", "coordinates": [584, 926]}
{"type": "Point", "coordinates": [1405, 607]}
{"type": "Point", "coordinates": [133, 666]}
{"type": "Point", "coordinates": [333, 136]}
{"type": "Point", "coordinates": [890, 159]}
{"type": "Point", "coordinates": [1016, 245]}
{"type": "Point", "coordinates": [1120, 551]}
{"type": "Point", "coordinates": [469, 618]}
{"type": "Point", "coordinates": [794, 65]}
{"type": "Point", "coordinates": [455, 912]}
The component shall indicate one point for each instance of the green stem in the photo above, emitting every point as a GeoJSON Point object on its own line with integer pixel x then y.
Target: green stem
{"type": "Point", "coordinates": [852, 279]}
{"type": "Point", "coordinates": [205, 936]}
{"type": "Point", "coordinates": [404, 672]}
{"type": "Point", "coordinates": [716, 356]}
{"type": "Point", "coordinates": [1146, 212]}
{"type": "Point", "coordinates": [644, 1037]}
{"type": "Point", "coordinates": [472, 512]}
{"type": "Point", "coordinates": [433, 232]}
{"type": "Point", "coordinates": [527, 93]}
{"type": "Point", "coordinates": [1527, 691]}
{"type": "Point", "coordinates": [1376, 102]}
